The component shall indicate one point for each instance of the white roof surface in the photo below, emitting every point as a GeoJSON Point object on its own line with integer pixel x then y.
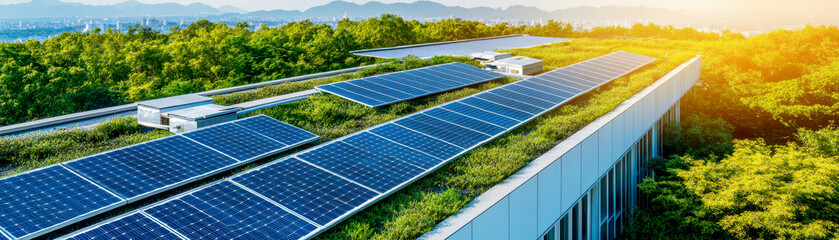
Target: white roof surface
{"type": "Point", "coordinates": [203, 111]}
{"type": "Point", "coordinates": [518, 60]}
{"type": "Point", "coordinates": [175, 101]}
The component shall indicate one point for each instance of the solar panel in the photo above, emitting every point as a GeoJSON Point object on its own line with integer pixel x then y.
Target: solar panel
{"type": "Point", "coordinates": [310, 191]}
{"type": "Point", "coordinates": [132, 226]}
{"type": "Point", "coordinates": [227, 211]}
{"type": "Point", "coordinates": [74, 190]}
{"type": "Point", "coordinates": [442, 130]}
{"type": "Point", "coordinates": [277, 130]}
{"type": "Point", "coordinates": [146, 168]}
{"type": "Point", "coordinates": [306, 193]}
{"type": "Point", "coordinates": [418, 141]}
{"type": "Point", "coordinates": [45, 199]}
{"type": "Point", "coordinates": [401, 86]}
{"type": "Point", "coordinates": [374, 171]}
{"type": "Point", "coordinates": [483, 115]}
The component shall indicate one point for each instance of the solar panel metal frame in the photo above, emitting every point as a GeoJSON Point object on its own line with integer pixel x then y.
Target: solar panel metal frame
{"type": "Point", "coordinates": [382, 195]}
{"type": "Point", "coordinates": [156, 191]}
{"type": "Point", "coordinates": [444, 89]}
{"type": "Point", "coordinates": [4, 235]}
{"type": "Point", "coordinates": [68, 221]}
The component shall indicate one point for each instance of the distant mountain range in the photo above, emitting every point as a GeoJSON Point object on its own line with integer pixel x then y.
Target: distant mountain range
{"type": "Point", "coordinates": [414, 10]}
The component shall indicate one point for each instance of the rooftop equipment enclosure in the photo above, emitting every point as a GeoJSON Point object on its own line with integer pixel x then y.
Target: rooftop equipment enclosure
{"type": "Point", "coordinates": [150, 113]}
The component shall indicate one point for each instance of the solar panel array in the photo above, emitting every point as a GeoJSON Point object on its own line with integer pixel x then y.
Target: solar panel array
{"type": "Point", "coordinates": [42, 200]}
{"type": "Point", "coordinates": [395, 87]}
{"type": "Point", "coordinates": [308, 192]}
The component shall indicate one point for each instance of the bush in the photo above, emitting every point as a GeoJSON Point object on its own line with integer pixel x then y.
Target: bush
{"type": "Point", "coordinates": [825, 140]}
{"type": "Point", "coordinates": [698, 136]}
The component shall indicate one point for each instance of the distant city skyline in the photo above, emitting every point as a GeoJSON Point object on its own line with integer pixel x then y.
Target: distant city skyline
{"type": "Point", "coordinates": [810, 8]}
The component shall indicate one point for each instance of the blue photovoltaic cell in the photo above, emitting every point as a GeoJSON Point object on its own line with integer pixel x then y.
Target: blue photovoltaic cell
{"type": "Point", "coordinates": [277, 130]}
{"type": "Point", "coordinates": [612, 65]}
{"type": "Point", "coordinates": [413, 81]}
{"type": "Point", "coordinates": [455, 76]}
{"type": "Point", "coordinates": [540, 94]}
{"type": "Point", "coordinates": [431, 80]}
{"type": "Point", "coordinates": [496, 108]}
{"type": "Point", "coordinates": [364, 83]}
{"type": "Point", "coordinates": [584, 81]}
{"type": "Point", "coordinates": [568, 81]}
{"type": "Point", "coordinates": [448, 132]}
{"type": "Point", "coordinates": [514, 104]}
{"type": "Point", "coordinates": [148, 167]}
{"type": "Point", "coordinates": [225, 211]}
{"type": "Point", "coordinates": [314, 193]}
{"type": "Point", "coordinates": [469, 69]}
{"type": "Point", "coordinates": [234, 140]}
{"type": "Point", "coordinates": [462, 120]}
{"type": "Point", "coordinates": [601, 71]}
{"type": "Point", "coordinates": [400, 86]}
{"type": "Point", "coordinates": [522, 98]}
{"type": "Point", "coordinates": [554, 85]}
{"type": "Point", "coordinates": [47, 197]}
{"type": "Point", "coordinates": [387, 149]}
{"type": "Point", "coordinates": [417, 141]}
{"type": "Point", "coordinates": [371, 170]}
{"type": "Point", "coordinates": [483, 115]}
{"type": "Point", "coordinates": [134, 226]}
{"type": "Point", "coordinates": [543, 88]}
{"type": "Point", "coordinates": [367, 93]}
{"type": "Point", "coordinates": [349, 95]}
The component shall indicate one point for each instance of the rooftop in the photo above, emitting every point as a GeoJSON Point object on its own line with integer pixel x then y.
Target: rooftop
{"type": "Point", "coordinates": [518, 60]}
{"type": "Point", "coordinates": [460, 48]}
{"type": "Point", "coordinates": [175, 101]}
{"type": "Point", "coordinates": [203, 111]}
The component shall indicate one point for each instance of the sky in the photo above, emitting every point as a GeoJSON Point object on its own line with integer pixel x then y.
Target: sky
{"type": "Point", "coordinates": [796, 7]}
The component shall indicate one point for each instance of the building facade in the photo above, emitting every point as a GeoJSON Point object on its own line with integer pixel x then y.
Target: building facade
{"type": "Point", "coordinates": [585, 186]}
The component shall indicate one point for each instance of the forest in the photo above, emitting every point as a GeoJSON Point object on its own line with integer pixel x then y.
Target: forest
{"type": "Point", "coordinates": [756, 154]}
{"type": "Point", "coordinates": [82, 71]}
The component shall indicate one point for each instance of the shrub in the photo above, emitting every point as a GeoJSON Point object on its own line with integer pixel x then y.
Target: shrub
{"type": "Point", "coordinates": [699, 136]}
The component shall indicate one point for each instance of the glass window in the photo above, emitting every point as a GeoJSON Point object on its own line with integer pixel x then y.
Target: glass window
{"type": "Point", "coordinates": [604, 231]}
{"type": "Point", "coordinates": [619, 184]}
{"type": "Point", "coordinates": [618, 225]}
{"type": "Point", "coordinates": [551, 235]}
{"type": "Point", "coordinates": [584, 214]}
{"type": "Point", "coordinates": [611, 192]}
{"type": "Point", "coordinates": [563, 228]}
{"type": "Point", "coordinates": [575, 222]}
{"type": "Point", "coordinates": [604, 197]}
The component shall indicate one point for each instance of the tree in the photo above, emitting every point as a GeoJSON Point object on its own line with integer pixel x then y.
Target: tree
{"type": "Point", "coordinates": [759, 191]}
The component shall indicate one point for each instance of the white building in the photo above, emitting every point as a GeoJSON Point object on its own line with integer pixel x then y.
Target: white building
{"type": "Point", "coordinates": [584, 188]}
{"type": "Point", "coordinates": [485, 57]}
{"type": "Point", "coordinates": [152, 113]}
{"type": "Point", "coordinates": [519, 65]}
{"type": "Point", "coordinates": [185, 120]}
